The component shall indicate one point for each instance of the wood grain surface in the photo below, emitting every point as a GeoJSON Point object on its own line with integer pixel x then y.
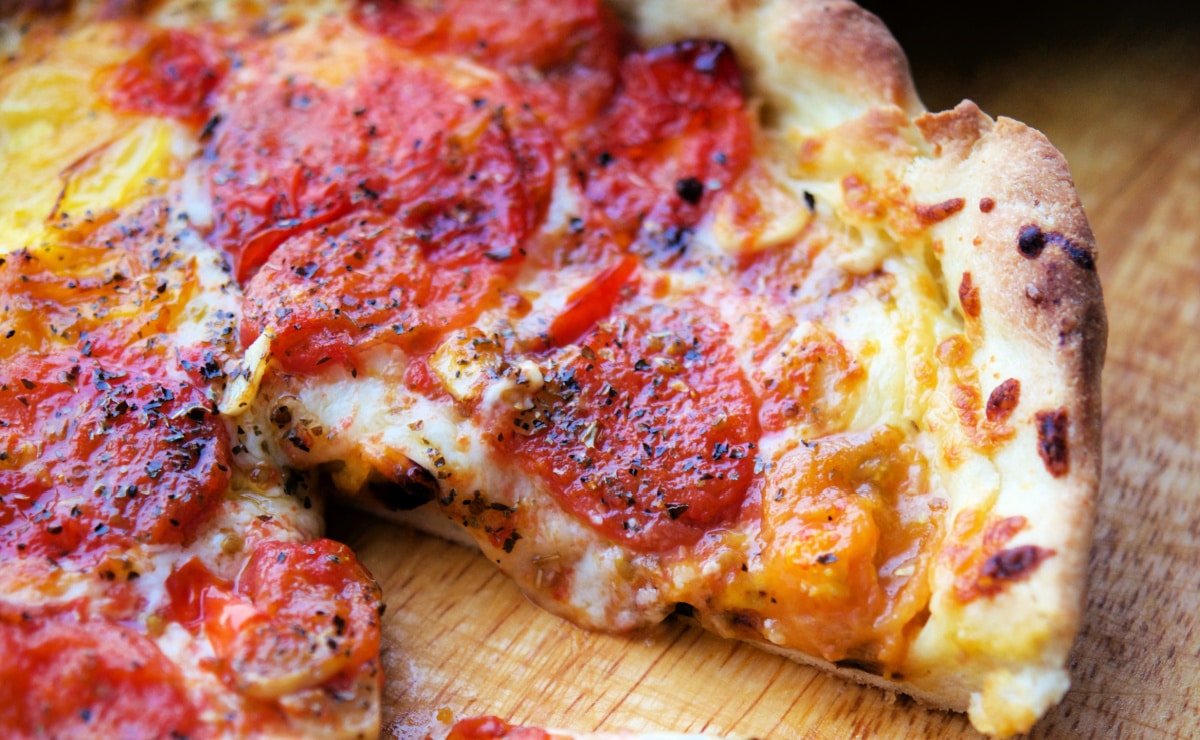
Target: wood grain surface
{"type": "Point", "coordinates": [1118, 91]}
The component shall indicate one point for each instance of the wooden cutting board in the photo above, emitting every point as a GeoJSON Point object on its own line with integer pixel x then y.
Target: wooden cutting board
{"type": "Point", "coordinates": [1120, 95]}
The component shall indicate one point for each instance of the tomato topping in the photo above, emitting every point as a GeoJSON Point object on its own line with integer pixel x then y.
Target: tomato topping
{"type": "Point", "coordinates": [361, 281]}
{"type": "Point", "coordinates": [676, 132]}
{"type": "Point", "coordinates": [454, 166]}
{"type": "Point", "coordinates": [322, 601]}
{"type": "Point", "coordinates": [564, 54]}
{"type": "Point", "coordinates": [94, 458]}
{"type": "Point", "coordinates": [66, 677]}
{"type": "Point", "coordinates": [646, 431]}
{"type": "Point", "coordinates": [173, 74]}
{"type": "Point", "coordinates": [591, 303]}
{"type": "Point", "coordinates": [199, 600]}
{"type": "Point", "coordinates": [494, 728]}
{"type": "Point", "coordinates": [300, 615]}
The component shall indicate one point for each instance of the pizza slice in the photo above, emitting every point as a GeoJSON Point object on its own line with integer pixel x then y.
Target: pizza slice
{"type": "Point", "coordinates": [753, 339]}
{"type": "Point", "coordinates": [156, 580]}
{"type": "Point", "coordinates": [667, 307]}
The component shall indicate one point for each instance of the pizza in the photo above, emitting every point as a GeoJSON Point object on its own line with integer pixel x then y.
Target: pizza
{"type": "Point", "coordinates": [668, 308]}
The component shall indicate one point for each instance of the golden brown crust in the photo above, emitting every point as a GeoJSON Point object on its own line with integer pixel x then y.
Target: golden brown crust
{"type": "Point", "coordinates": [815, 63]}
{"type": "Point", "coordinates": [1039, 326]}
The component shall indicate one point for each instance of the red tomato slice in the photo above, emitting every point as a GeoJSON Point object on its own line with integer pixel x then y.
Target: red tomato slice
{"type": "Point", "coordinates": [300, 615]}
{"type": "Point", "coordinates": [564, 54]}
{"type": "Point", "coordinates": [324, 611]}
{"type": "Point", "coordinates": [96, 457]}
{"type": "Point", "coordinates": [461, 169]}
{"type": "Point", "coordinates": [646, 431]}
{"type": "Point", "coordinates": [62, 676]}
{"type": "Point", "coordinates": [676, 130]}
{"type": "Point", "coordinates": [361, 281]}
{"type": "Point", "coordinates": [173, 74]}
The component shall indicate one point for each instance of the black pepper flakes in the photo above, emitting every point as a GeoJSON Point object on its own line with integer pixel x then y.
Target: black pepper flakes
{"type": "Point", "coordinates": [210, 127]}
{"type": "Point", "coordinates": [690, 189]}
{"type": "Point", "coordinates": [677, 510]}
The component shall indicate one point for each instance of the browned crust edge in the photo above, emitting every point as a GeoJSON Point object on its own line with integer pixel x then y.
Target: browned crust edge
{"type": "Point", "coordinates": [1024, 238]}
{"type": "Point", "coordinates": [815, 63]}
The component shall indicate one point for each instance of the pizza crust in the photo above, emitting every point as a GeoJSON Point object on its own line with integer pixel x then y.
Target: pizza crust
{"type": "Point", "coordinates": [1040, 319]}
{"type": "Point", "coordinates": [813, 63]}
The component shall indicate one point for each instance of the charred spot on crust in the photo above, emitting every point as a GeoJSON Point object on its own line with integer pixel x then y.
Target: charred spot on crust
{"type": "Point", "coordinates": [417, 487]}
{"type": "Point", "coordinates": [968, 296]}
{"type": "Point", "coordinates": [1014, 563]}
{"type": "Point", "coordinates": [1003, 399]}
{"type": "Point", "coordinates": [1079, 255]}
{"type": "Point", "coordinates": [932, 214]}
{"type": "Point", "coordinates": [986, 205]}
{"type": "Point", "coordinates": [1052, 441]}
{"type": "Point", "coordinates": [1031, 241]}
